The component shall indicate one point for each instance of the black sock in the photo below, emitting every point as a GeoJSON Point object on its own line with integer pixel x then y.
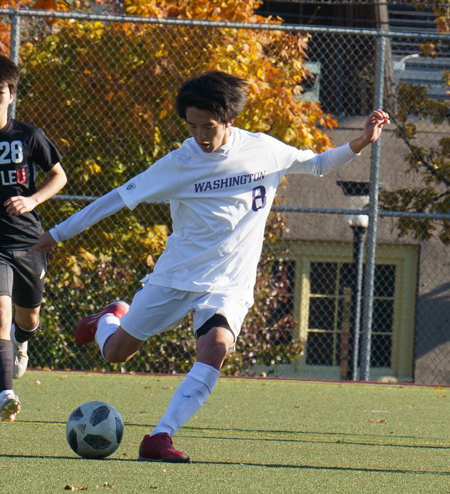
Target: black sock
{"type": "Point", "coordinates": [22, 335]}
{"type": "Point", "coordinates": [6, 365]}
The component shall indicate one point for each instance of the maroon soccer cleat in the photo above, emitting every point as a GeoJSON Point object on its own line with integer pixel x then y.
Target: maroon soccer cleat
{"type": "Point", "coordinates": [160, 448]}
{"type": "Point", "coordinates": [86, 328]}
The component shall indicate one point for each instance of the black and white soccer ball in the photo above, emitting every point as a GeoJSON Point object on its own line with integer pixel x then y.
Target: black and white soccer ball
{"type": "Point", "coordinates": [94, 429]}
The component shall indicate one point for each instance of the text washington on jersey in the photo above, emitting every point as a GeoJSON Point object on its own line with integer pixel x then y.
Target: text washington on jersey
{"type": "Point", "coordinates": [230, 181]}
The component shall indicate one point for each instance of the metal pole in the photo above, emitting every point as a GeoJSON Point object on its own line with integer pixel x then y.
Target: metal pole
{"type": "Point", "coordinates": [345, 333]}
{"type": "Point", "coordinates": [359, 233]}
{"type": "Point", "coordinates": [14, 52]}
{"type": "Point", "coordinates": [373, 219]}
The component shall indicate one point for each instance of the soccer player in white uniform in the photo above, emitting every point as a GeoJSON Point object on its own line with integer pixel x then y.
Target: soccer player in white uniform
{"type": "Point", "coordinates": [220, 184]}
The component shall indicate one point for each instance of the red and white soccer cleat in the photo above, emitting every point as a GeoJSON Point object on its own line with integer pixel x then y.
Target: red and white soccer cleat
{"type": "Point", "coordinates": [86, 328]}
{"type": "Point", "coordinates": [160, 448]}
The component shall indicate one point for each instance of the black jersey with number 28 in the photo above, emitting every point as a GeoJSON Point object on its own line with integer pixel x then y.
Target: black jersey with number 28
{"type": "Point", "coordinates": [23, 148]}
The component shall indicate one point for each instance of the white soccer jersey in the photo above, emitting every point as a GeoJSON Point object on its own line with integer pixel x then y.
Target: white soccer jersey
{"type": "Point", "coordinates": [219, 205]}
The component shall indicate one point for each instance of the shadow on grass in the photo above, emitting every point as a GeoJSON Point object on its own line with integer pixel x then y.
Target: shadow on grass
{"type": "Point", "coordinates": [328, 468]}
{"type": "Point", "coordinates": [379, 441]}
{"type": "Point", "coordinates": [391, 441]}
{"type": "Point", "coordinates": [239, 464]}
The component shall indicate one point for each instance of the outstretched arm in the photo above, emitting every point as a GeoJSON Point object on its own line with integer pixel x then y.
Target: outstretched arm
{"type": "Point", "coordinates": [78, 222]}
{"type": "Point", "coordinates": [323, 163]}
{"type": "Point", "coordinates": [372, 130]}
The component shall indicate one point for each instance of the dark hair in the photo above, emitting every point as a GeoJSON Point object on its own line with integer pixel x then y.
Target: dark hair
{"type": "Point", "coordinates": [9, 73]}
{"type": "Point", "coordinates": [223, 94]}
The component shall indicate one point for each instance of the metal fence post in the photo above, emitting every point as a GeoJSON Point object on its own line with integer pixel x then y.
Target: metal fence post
{"type": "Point", "coordinates": [373, 220]}
{"type": "Point", "coordinates": [14, 52]}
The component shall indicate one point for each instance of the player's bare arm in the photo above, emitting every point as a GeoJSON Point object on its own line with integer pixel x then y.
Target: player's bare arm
{"type": "Point", "coordinates": [372, 130]}
{"type": "Point", "coordinates": [18, 205]}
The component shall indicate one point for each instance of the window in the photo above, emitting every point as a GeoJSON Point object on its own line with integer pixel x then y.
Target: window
{"type": "Point", "coordinates": [327, 283]}
{"type": "Point", "coordinates": [323, 270]}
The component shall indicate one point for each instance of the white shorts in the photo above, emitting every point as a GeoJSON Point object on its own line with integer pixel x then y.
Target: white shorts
{"type": "Point", "coordinates": [157, 308]}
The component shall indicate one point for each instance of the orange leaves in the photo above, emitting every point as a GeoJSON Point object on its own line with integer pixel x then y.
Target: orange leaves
{"type": "Point", "coordinates": [124, 77]}
{"type": "Point", "coordinates": [442, 18]}
{"type": "Point", "coordinates": [428, 49]}
{"type": "Point", "coordinates": [443, 24]}
{"type": "Point", "coordinates": [14, 4]}
{"type": "Point", "coordinates": [212, 10]}
{"type": "Point", "coordinates": [145, 8]}
{"type": "Point", "coordinates": [45, 5]}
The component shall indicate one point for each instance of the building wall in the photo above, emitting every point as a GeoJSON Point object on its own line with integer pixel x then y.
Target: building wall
{"type": "Point", "coordinates": [431, 332]}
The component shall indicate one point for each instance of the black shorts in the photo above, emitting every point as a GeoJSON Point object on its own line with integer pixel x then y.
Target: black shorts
{"type": "Point", "coordinates": [22, 277]}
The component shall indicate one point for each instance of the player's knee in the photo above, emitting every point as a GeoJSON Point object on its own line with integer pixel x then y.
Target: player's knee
{"type": "Point", "coordinates": [213, 356]}
{"type": "Point", "coordinates": [27, 319]}
{"type": "Point", "coordinates": [219, 349]}
{"type": "Point", "coordinates": [31, 323]}
{"type": "Point", "coordinates": [213, 347]}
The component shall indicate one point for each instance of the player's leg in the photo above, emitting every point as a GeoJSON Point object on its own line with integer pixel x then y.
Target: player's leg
{"type": "Point", "coordinates": [9, 402]}
{"type": "Point", "coordinates": [119, 346]}
{"type": "Point", "coordinates": [141, 319]}
{"type": "Point", "coordinates": [190, 395]}
{"type": "Point", "coordinates": [28, 289]}
{"type": "Point", "coordinates": [25, 325]}
{"type": "Point", "coordinates": [115, 344]}
{"type": "Point", "coordinates": [215, 337]}
{"type": "Point", "coordinates": [86, 329]}
{"type": "Point", "coordinates": [213, 346]}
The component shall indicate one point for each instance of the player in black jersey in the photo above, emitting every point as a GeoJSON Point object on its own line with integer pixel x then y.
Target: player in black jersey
{"type": "Point", "coordinates": [23, 148]}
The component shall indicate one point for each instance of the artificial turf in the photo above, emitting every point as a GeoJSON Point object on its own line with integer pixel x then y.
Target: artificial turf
{"type": "Point", "coordinates": [251, 436]}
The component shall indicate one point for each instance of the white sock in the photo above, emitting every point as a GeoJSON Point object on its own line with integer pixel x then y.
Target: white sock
{"type": "Point", "coordinates": [188, 398]}
{"type": "Point", "coordinates": [107, 325]}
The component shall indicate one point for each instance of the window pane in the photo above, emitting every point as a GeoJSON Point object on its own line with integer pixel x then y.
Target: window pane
{"type": "Point", "coordinates": [321, 313]}
{"type": "Point", "coordinates": [384, 280]}
{"type": "Point", "coordinates": [319, 349]}
{"type": "Point", "coordinates": [383, 315]}
{"type": "Point", "coordinates": [323, 278]}
{"type": "Point", "coordinates": [381, 351]}
{"type": "Point", "coordinates": [347, 277]}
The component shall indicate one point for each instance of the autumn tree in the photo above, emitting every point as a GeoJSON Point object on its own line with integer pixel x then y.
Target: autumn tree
{"type": "Point", "coordinates": [105, 92]}
{"type": "Point", "coordinates": [431, 161]}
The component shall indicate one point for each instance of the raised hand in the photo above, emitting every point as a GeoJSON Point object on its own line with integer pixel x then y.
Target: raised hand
{"type": "Point", "coordinates": [372, 130]}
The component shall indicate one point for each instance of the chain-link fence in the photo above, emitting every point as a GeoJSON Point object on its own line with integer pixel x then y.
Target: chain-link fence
{"type": "Point", "coordinates": [339, 295]}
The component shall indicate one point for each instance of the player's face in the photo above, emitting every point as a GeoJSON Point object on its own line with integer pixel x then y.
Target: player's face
{"type": "Point", "coordinates": [6, 98]}
{"type": "Point", "coordinates": [208, 133]}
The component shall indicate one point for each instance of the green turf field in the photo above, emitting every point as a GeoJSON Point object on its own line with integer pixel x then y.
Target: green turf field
{"type": "Point", "coordinates": [251, 436]}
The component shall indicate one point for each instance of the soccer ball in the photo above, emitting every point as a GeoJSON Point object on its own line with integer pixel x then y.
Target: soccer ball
{"type": "Point", "coordinates": [94, 430]}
